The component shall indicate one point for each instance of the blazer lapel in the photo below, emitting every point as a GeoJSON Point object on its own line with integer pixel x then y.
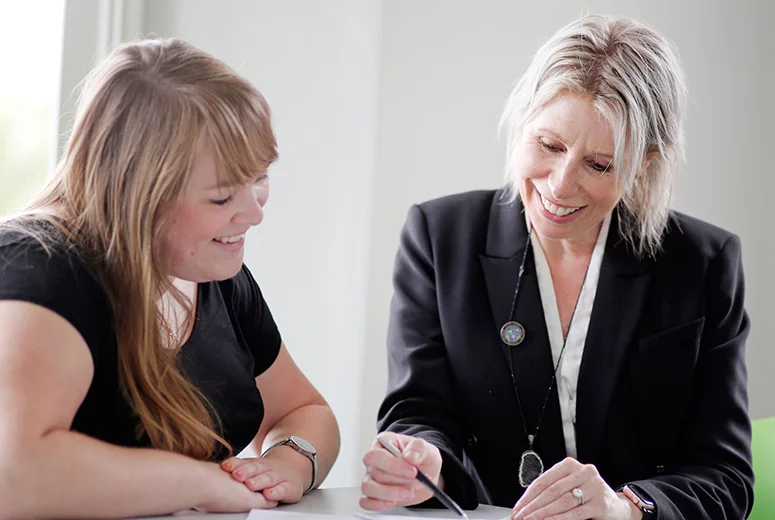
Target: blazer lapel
{"type": "Point", "coordinates": [532, 363]}
{"type": "Point", "coordinates": [621, 293]}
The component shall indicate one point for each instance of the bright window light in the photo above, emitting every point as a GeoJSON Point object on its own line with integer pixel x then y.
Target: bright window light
{"type": "Point", "coordinates": [31, 54]}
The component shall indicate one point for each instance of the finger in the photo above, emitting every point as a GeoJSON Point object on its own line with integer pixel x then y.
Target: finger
{"type": "Point", "coordinates": [383, 477]}
{"type": "Point", "coordinates": [250, 469]}
{"type": "Point", "coordinates": [396, 439]}
{"type": "Point", "coordinates": [382, 459]}
{"type": "Point", "coordinates": [373, 504]}
{"type": "Point", "coordinates": [584, 474]}
{"type": "Point", "coordinates": [400, 494]}
{"type": "Point", "coordinates": [283, 492]}
{"type": "Point", "coordinates": [389, 437]}
{"type": "Point", "coordinates": [562, 504]}
{"type": "Point", "coordinates": [259, 501]}
{"type": "Point", "coordinates": [417, 451]}
{"type": "Point", "coordinates": [588, 510]}
{"type": "Point", "coordinates": [558, 471]}
{"type": "Point", "coordinates": [262, 481]}
{"type": "Point", "coordinates": [232, 463]}
{"type": "Point", "coordinates": [404, 444]}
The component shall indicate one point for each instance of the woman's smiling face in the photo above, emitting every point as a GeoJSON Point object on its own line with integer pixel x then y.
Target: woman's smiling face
{"type": "Point", "coordinates": [565, 164]}
{"type": "Point", "coordinates": [205, 232]}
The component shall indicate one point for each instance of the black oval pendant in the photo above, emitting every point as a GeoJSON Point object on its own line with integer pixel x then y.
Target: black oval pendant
{"type": "Point", "coordinates": [530, 468]}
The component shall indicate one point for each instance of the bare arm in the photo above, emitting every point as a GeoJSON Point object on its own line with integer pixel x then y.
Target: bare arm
{"type": "Point", "coordinates": [47, 471]}
{"type": "Point", "coordinates": [294, 407]}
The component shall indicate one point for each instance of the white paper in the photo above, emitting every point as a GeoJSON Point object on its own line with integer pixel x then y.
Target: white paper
{"type": "Point", "coordinates": [274, 514]}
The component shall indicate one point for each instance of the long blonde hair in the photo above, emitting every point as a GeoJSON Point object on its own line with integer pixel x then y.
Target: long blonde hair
{"type": "Point", "coordinates": [141, 113]}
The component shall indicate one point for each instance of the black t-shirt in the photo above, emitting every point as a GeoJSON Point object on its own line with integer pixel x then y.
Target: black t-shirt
{"type": "Point", "coordinates": [234, 338]}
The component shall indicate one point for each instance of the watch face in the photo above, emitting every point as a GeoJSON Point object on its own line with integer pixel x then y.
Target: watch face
{"type": "Point", "coordinates": [301, 443]}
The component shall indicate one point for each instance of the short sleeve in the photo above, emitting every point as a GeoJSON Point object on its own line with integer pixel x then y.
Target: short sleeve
{"type": "Point", "coordinates": [250, 313]}
{"type": "Point", "coordinates": [55, 277]}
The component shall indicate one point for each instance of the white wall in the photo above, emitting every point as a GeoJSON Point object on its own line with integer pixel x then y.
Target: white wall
{"type": "Point", "coordinates": [378, 105]}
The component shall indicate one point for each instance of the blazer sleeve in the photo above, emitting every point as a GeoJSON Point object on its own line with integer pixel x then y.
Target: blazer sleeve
{"type": "Point", "coordinates": [713, 477]}
{"type": "Point", "coordinates": [420, 398]}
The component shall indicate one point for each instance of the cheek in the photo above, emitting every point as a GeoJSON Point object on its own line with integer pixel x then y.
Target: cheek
{"type": "Point", "coordinates": [187, 231]}
{"type": "Point", "coordinates": [531, 164]}
{"type": "Point", "coordinates": [607, 197]}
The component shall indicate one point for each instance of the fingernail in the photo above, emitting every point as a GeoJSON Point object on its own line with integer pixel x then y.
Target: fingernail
{"type": "Point", "coordinates": [227, 466]}
{"type": "Point", "coordinates": [239, 473]}
{"type": "Point", "coordinates": [411, 456]}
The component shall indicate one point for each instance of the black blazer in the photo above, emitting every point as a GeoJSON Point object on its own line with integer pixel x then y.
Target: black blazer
{"type": "Point", "coordinates": [662, 400]}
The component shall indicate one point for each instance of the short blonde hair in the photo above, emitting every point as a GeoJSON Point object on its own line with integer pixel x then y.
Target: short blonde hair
{"type": "Point", "coordinates": [636, 83]}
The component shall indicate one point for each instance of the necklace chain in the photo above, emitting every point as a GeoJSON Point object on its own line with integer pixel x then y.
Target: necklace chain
{"type": "Point", "coordinates": [531, 438]}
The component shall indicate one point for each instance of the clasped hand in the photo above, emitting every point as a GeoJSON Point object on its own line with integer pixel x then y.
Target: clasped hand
{"type": "Point", "coordinates": [280, 477]}
{"type": "Point", "coordinates": [551, 496]}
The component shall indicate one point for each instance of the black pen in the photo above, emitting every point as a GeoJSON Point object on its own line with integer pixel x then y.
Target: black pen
{"type": "Point", "coordinates": [437, 492]}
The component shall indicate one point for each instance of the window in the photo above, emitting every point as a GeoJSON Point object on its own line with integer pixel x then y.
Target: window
{"type": "Point", "coordinates": [30, 51]}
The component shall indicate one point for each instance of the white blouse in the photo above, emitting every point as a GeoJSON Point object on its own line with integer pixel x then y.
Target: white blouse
{"type": "Point", "coordinates": [568, 371]}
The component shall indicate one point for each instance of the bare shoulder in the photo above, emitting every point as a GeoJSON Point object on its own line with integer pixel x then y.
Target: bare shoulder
{"type": "Point", "coordinates": [45, 369]}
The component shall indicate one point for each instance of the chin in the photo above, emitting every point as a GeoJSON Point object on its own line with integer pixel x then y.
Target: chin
{"type": "Point", "coordinates": [226, 274]}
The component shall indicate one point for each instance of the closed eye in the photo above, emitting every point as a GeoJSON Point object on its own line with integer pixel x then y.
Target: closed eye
{"type": "Point", "coordinates": [222, 202]}
{"type": "Point", "coordinates": [546, 145]}
{"type": "Point", "coordinates": [601, 168]}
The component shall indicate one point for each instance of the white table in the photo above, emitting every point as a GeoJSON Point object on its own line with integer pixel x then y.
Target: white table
{"type": "Point", "coordinates": [344, 501]}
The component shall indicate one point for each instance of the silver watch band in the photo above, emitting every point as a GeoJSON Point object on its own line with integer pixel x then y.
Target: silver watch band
{"type": "Point", "coordinates": [303, 447]}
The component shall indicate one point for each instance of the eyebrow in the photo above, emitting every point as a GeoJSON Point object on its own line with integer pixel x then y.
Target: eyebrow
{"type": "Point", "coordinates": [596, 154]}
{"type": "Point", "coordinates": [221, 185]}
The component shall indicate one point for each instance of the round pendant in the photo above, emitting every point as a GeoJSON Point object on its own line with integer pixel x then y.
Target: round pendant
{"type": "Point", "coordinates": [512, 333]}
{"type": "Point", "coordinates": [530, 468]}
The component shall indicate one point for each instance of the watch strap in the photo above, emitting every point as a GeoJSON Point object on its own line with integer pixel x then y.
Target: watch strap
{"type": "Point", "coordinates": [646, 506]}
{"type": "Point", "coordinates": [311, 455]}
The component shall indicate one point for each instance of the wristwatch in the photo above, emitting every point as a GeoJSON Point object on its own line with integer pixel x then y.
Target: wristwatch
{"type": "Point", "coordinates": [305, 448]}
{"type": "Point", "coordinates": [647, 507]}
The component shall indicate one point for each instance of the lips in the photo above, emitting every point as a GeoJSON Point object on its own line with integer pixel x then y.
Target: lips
{"type": "Point", "coordinates": [230, 239]}
{"type": "Point", "coordinates": [559, 211]}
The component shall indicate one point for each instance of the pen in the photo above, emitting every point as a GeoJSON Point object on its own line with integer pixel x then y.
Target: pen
{"type": "Point", "coordinates": [437, 492]}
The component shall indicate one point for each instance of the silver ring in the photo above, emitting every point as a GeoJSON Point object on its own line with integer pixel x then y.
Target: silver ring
{"type": "Point", "coordinates": [579, 495]}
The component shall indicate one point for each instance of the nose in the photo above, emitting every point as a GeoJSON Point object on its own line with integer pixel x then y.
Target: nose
{"type": "Point", "coordinates": [564, 180]}
{"type": "Point", "coordinates": [251, 210]}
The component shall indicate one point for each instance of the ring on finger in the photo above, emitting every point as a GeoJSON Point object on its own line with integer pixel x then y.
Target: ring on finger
{"type": "Point", "coordinates": [578, 494]}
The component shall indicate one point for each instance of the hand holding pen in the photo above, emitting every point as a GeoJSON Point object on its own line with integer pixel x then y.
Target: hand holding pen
{"type": "Point", "coordinates": [402, 471]}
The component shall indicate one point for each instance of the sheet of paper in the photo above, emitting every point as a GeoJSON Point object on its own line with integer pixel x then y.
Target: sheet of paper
{"type": "Point", "coordinates": [274, 514]}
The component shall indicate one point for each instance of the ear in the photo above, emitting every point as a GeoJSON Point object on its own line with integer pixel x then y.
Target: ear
{"type": "Point", "coordinates": [650, 156]}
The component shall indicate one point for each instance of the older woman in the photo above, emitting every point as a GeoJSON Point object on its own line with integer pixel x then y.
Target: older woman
{"type": "Point", "coordinates": [568, 343]}
{"type": "Point", "coordinates": [137, 351]}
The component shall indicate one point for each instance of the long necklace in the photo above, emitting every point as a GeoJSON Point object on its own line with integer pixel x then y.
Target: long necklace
{"type": "Point", "coordinates": [513, 333]}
